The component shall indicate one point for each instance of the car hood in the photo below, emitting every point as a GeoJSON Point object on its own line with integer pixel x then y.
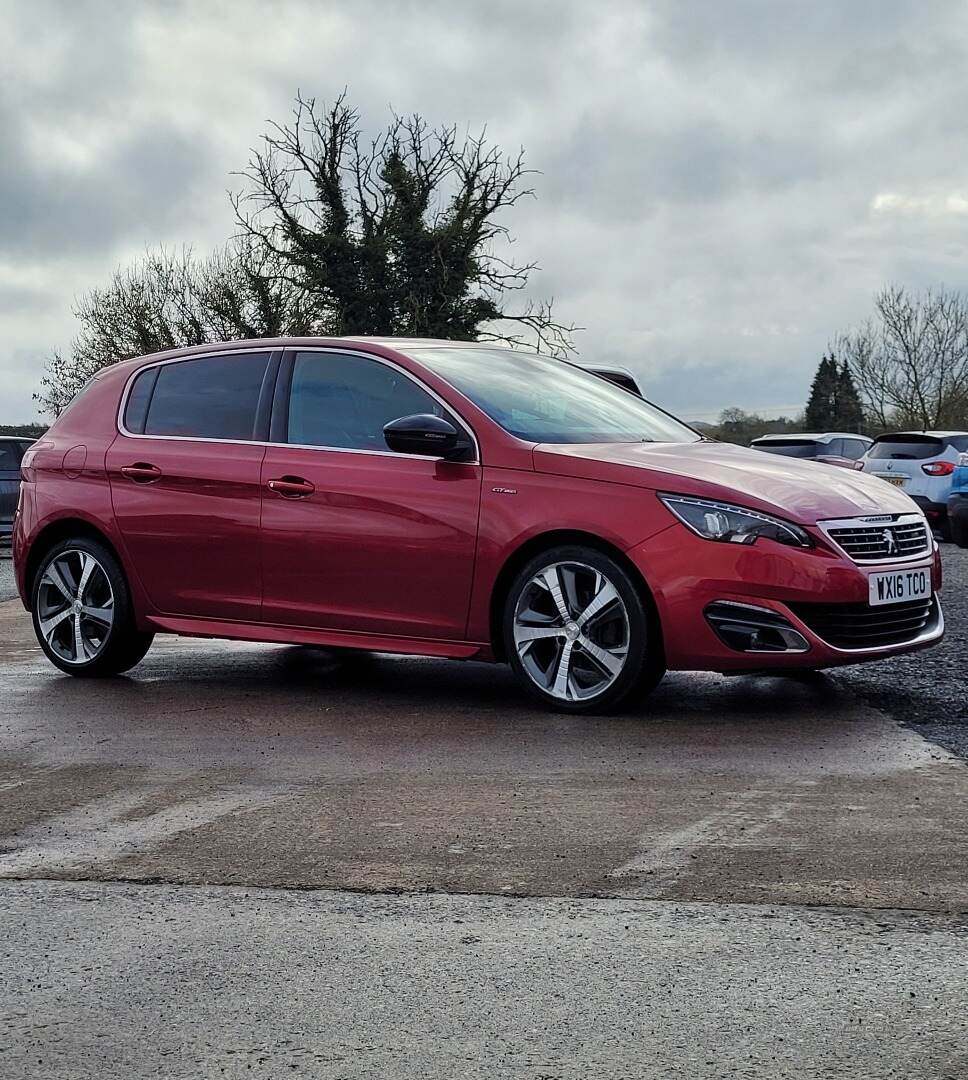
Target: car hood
{"type": "Point", "coordinates": [803, 491]}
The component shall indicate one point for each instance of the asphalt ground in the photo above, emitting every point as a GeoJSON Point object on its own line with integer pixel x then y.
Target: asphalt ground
{"type": "Point", "coordinates": [251, 860]}
{"type": "Point", "coordinates": [929, 689]}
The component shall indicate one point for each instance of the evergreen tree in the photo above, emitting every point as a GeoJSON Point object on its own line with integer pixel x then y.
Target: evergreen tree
{"type": "Point", "coordinates": [821, 405]}
{"type": "Point", "coordinates": [848, 411]}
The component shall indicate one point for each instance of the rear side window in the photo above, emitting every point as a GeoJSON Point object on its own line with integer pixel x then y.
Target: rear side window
{"type": "Point", "coordinates": [905, 447]}
{"type": "Point", "coordinates": [11, 454]}
{"type": "Point", "coordinates": [959, 442]}
{"type": "Point", "coordinates": [800, 448]}
{"type": "Point", "coordinates": [854, 448]}
{"type": "Point", "coordinates": [344, 402]}
{"type": "Point", "coordinates": [214, 397]}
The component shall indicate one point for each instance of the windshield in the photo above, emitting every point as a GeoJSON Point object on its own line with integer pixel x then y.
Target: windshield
{"type": "Point", "coordinates": [540, 399]}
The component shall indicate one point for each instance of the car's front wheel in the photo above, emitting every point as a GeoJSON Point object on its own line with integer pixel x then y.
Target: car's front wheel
{"type": "Point", "coordinates": [578, 634]}
{"type": "Point", "coordinates": [82, 611]}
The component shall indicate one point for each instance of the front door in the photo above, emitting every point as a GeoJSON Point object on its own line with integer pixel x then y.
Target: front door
{"type": "Point", "coordinates": [186, 484]}
{"type": "Point", "coordinates": [356, 537]}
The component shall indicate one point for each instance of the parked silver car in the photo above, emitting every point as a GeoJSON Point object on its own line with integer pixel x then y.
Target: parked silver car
{"type": "Point", "coordinates": [842, 448]}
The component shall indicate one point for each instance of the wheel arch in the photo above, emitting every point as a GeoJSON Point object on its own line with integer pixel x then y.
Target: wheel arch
{"type": "Point", "coordinates": [545, 542]}
{"type": "Point", "coordinates": [54, 533]}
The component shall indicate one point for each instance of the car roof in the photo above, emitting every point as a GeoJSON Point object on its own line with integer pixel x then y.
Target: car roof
{"type": "Point", "coordinates": [823, 436]}
{"type": "Point", "coordinates": [929, 434]}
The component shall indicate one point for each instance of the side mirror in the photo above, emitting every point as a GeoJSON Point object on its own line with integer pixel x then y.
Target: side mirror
{"type": "Point", "coordinates": [426, 434]}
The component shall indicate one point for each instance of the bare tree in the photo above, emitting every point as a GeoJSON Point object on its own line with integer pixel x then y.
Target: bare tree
{"type": "Point", "coordinates": [167, 300]}
{"type": "Point", "coordinates": [398, 235]}
{"type": "Point", "coordinates": [910, 362]}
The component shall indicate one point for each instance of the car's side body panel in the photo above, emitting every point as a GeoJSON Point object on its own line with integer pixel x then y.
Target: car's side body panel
{"type": "Point", "coordinates": [383, 544]}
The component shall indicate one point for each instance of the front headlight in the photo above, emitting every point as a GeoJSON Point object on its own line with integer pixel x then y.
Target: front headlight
{"type": "Point", "coordinates": [733, 524]}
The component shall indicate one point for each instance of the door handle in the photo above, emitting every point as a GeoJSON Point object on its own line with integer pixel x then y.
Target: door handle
{"type": "Point", "coordinates": [141, 472]}
{"type": "Point", "coordinates": [291, 487]}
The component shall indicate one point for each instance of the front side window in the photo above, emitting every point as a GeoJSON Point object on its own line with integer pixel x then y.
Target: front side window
{"type": "Point", "coordinates": [213, 397]}
{"type": "Point", "coordinates": [539, 399]}
{"type": "Point", "coordinates": [344, 401]}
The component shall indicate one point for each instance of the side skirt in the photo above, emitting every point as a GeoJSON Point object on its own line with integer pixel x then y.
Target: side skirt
{"type": "Point", "coordinates": [302, 635]}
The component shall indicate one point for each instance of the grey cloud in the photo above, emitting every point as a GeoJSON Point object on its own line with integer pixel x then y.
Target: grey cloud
{"type": "Point", "coordinates": [137, 190]}
{"type": "Point", "coordinates": [708, 169]}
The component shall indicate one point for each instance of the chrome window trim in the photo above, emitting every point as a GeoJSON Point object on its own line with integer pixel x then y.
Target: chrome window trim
{"type": "Point", "coordinates": [864, 521]}
{"type": "Point", "coordinates": [295, 446]}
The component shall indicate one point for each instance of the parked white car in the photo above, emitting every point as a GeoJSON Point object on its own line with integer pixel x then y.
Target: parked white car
{"type": "Point", "coordinates": [922, 464]}
{"type": "Point", "coordinates": [843, 448]}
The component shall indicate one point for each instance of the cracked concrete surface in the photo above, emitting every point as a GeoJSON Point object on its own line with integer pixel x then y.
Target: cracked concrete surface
{"type": "Point", "coordinates": [217, 767]}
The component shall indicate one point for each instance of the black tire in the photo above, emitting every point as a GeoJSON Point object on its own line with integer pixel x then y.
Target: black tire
{"type": "Point", "coordinates": [642, 661]}
{"type": "Point", "coordinates": [958, 527]}
{"type": "Point", "coordinates": [121, 646]}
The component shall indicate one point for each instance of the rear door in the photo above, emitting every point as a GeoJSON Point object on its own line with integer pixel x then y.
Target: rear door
{"type": "Point", "coordinates": [185, 481]}
{"type": "Point", "coordinates": [356, 537]}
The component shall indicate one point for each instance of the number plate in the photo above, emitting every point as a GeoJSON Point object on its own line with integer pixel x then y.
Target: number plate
{"type": "Point", "coordinates": [897, 481]}
{"type": "Point", "coordinates": [899, 585]}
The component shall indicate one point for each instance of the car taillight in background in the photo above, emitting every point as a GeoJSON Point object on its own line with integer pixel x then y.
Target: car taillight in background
{"type": "Point", "coordinates": [939, 468]}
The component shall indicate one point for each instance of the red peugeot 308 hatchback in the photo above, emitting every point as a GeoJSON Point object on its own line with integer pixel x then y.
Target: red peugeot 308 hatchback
{"type": "Point", "coordinates": [450, 499]}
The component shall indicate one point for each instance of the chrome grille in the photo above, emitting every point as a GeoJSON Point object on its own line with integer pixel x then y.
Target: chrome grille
{"type": "Point", "coordinates": [889, 542]}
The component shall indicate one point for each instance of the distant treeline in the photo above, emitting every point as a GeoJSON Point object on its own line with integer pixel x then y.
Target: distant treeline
{"type": "Point", "coordinates": [30, 431]}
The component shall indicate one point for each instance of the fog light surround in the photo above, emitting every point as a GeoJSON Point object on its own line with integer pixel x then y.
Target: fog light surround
{"type": "Point", "coordinates": [748, 628]}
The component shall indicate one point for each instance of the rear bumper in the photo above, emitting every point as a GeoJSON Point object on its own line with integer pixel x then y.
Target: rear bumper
{"type": "Point", "coordinates": [933, 511]}
{"type": "Point", "coordinates": [690, 576]}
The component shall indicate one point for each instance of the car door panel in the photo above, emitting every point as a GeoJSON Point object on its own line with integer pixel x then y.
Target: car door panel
{"type": "Point", "coordinates": [384, 544]}
{"type": "Point", "coordinates": [186, 482]}
{"type": "Point", "coordinates": [362, 539]}
{"type": "Point", "coordinates": [192, 533]}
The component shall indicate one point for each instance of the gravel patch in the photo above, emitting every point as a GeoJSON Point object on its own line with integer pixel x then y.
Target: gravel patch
{"type": "Point", "coordinates": [8, 590]}
{"type": "Point", "coordinates": [927, 690]}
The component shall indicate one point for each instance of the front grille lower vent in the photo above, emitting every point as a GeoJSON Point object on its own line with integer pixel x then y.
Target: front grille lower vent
{"type": "Point", "coordinates": [882, 543]}
{"type": "Point", "coordinates": [860, 626]}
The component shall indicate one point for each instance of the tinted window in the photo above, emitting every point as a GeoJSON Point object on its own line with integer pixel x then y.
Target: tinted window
{"type": "Point", "coordinates": [543, 400]}
{"type": "Point", "coordinates": [345, 401]}
{"type": "Point", "coordinates": [905, 447]}
{"type": "Point", "coordinates": [959, 442]}
{"type": "Point", "coordinates": [854, 448]}
{"type": "Point", "coordinates": [11, 454]}
{"type": "Point", "coordinates": [834, 448]}
{"type": "Point", "coordinates": [136, 409]}
{"type": "Point", "coordinates": [214, 397]}
{"type": "Point", "coordinates": [800, 448]}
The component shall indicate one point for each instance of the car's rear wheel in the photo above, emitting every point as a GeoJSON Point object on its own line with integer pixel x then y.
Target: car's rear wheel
{"type": "Point", "coordinates": [82, 611]}
{"type": "Point", "coordinates": [578, 634]}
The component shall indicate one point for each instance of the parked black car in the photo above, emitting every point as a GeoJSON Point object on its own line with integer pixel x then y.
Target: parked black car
{"type": "Point", "coordinates": [11, 454]}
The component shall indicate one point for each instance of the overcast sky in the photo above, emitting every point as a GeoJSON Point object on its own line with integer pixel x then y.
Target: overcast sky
{"type": "Point", "coordinates": [724, 185]}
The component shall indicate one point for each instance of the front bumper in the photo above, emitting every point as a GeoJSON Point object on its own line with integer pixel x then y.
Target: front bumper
{"type": "Point", "coordinates": [688, 576]}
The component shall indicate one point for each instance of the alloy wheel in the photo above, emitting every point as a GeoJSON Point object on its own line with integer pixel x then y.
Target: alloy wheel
{"type": "Point", "coordinates": [571, 631]}
{"type": "Point", "coordinates": [75, 606]}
